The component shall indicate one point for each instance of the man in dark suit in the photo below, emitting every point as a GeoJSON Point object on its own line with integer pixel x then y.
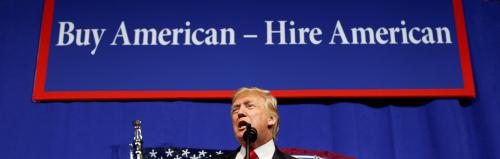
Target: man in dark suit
{"type": "Point", "coordinates": [258, 108]}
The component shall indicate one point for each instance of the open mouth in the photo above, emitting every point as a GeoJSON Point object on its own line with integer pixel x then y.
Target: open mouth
{"type": "Point", "coordinates": [242, 125]}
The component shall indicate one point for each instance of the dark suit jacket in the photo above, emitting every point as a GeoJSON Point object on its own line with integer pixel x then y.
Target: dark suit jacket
{"type": "Point", "coordinates": [277, 155]}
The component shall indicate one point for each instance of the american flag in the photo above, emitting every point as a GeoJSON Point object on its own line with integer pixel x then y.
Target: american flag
{"type": "Point", "coordinates": [195, 153]}
{"type": "Point", "coordinates": [181, 153]}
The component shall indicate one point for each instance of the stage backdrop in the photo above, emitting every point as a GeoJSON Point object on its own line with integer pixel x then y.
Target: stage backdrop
{"type": "Point", "coordinates": [363, 128]}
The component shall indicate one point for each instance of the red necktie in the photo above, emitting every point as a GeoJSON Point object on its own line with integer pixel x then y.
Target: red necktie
{"type": "Point", "coordinates": [253, 155]}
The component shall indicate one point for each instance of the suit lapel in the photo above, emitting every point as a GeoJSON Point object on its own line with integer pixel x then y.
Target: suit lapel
{"type": "Point", "coordinates": [278, 154]}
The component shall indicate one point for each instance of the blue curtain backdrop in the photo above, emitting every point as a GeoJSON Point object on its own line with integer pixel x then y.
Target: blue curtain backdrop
{"type": "Point", "coordinates": [363, 128]}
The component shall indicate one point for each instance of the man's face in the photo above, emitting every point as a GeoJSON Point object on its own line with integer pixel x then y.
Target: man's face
{"type": "Point", "coordinates": [250, 108]}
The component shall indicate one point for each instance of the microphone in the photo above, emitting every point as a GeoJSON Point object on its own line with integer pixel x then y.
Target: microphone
{"type": "Point", "coordinates": [250, 135]}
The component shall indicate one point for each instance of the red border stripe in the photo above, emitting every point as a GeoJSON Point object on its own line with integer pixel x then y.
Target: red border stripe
{"type": "Point", "coordinates": [43, 51]}
{"type": "Point", "coordinates": [153, 95]}
{"type": "Point", "coordinates": [463, 47]}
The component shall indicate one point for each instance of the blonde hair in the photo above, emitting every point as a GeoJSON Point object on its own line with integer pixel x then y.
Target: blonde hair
{"type": "Point", "coordinates": [270, 103]}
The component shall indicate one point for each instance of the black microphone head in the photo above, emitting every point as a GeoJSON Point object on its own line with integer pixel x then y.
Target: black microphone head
{"type": "Point", "coordinates": [250, 134]}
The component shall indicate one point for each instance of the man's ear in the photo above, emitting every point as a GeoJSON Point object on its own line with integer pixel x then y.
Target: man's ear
{"type": "Point", "coordinates": [272, 120]}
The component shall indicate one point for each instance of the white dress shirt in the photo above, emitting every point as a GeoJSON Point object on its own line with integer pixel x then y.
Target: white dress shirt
{"type": "Point", "coordinates": [265, 151]}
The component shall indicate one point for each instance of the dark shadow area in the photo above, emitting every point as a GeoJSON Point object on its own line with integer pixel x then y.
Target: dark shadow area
{"type": "Point", "coordinates": [466, 102]}
{"type": "Point", "coordinates": [371, 102]}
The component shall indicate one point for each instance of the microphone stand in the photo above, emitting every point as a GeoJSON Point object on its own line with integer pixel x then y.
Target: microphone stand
{"type": "Point", "coordinates": [247, 147]}
{"type": "Point", "coordinates": [250, 136]}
